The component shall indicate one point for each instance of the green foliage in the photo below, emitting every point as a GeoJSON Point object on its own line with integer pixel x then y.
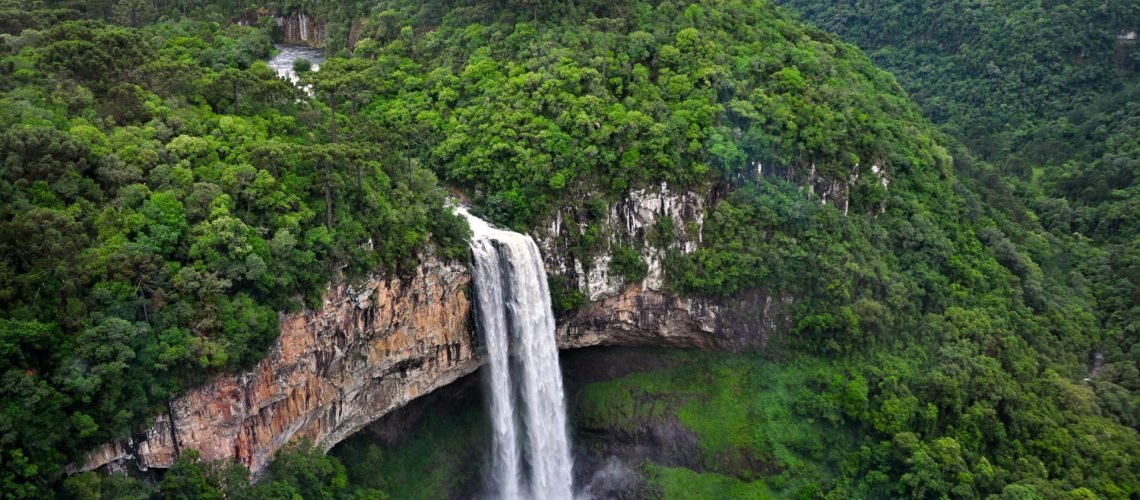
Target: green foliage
{"type": "Point", "coordinates": [627, 263]}
{"type": "Point", "coordinates": [530, 111]}
{"type": "Point", "coordinates": [302, 65]}
{"type": "Point", "coordinates": [565, 297]}
{"type": "Point", "coordinates": [886, 426]}
{"type": "Point", "coordinates": [748, 414]}
{"type": "Point", "coordinates": [1000, 74]}
{"type": "Point", "coordinates": [298, 471]}
{"type": "Point", "coordinates": [164, 196]}
{"type": "Point", "coordinates": [133, 12]}
{"type": "Point", "coordinates": [1045, 95]}
{"type": "Point", "coordinates": [679, 482]}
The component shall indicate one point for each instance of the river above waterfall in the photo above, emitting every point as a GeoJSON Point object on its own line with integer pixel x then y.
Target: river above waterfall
{"type": "Point", "coordinates": [282, 63]}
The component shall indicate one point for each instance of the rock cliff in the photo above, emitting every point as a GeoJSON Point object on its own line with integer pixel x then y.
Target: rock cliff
{"type": "Point", "coordinates": [370, 349]}
{"type": "Point", "coordinates": [297, 28]}
{"type": "Point", "coordinates": [376, 346]}
{"type": "Point", "coordinates": [641, 317]}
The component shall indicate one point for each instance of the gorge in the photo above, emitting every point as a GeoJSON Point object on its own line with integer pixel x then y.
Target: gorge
{"type": "Point", "coordinates": [374, 346]}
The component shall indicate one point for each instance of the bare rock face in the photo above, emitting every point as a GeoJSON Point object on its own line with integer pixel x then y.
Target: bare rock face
{"type": "Point", "coordinates": [300, 28]}
{"type": "Point", "coordinates": [642, 317]}
{"type": "Point", "coordinates": [368, 350]}
{"type": "Point", "coordinates": [628, 221]}
{"type": "Point", "coordinates": [375, 347]}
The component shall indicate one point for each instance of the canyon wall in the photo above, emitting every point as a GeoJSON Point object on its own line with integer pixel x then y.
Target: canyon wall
{"type": "Point", "coordinates": [297, 28]}
{"type": "Point", "coordinates": [373, 347]}
{"type": "Point", "coordinates": [370, 349]}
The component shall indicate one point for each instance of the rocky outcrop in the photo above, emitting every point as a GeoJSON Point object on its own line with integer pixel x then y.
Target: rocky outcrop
{"type": "Point", "coordinates": [297, 28]}
{"type": "Point", "coordinates": [376, 346]}
{"type": "Point", "coordinates": [373, 348]}
{"type": "Point", "coordinates": [628, 221]}
{"type": "Point", "coordinates": [836, 192]}
{"type": "Point", "coordinates": [641, 317]}
{"type": "Point", "coordinates": [370, 349]}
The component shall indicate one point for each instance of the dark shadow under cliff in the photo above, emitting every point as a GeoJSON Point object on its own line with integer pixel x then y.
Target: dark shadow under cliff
{"type": "Point", "coordinates": [437, 445]}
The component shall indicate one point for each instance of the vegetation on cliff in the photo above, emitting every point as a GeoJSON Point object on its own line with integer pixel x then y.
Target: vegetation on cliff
{"type": "Point", "coordinates": [1045, 96]}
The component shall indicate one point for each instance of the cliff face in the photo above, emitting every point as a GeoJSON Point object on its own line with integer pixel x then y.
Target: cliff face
{"type": "Point", "coordinates": [368, 350]}
{"type": "Point", "coordinates": [297, 28]}
{"type": "Point", "coordinates": [641, 317]}
{"type": "Point", "coordinates": [645, 313]}
{"type": "Point", "coordinates": [373, 348]}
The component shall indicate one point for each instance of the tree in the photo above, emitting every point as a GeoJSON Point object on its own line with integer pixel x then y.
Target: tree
{"type": "Point", "coordinates": [311, 473]}
{"type": "Point", "coordinates": [133, 13]}
{"type": "Point", "coordinates": [302, 65]}
{"type": "Point", "coordinates": [230, 84]}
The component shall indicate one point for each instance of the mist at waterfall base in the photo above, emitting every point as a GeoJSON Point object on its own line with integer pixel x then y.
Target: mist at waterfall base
{"type": "Point", "coordinates": [530, 448]}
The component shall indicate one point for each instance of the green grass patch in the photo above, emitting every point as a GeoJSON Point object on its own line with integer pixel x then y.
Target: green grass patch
{"type": "Point", "coordinates": [754, 419]}
{"type": "Point", "coordinates": [679, 482]}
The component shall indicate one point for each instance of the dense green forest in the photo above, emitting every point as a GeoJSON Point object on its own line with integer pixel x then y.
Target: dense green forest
{"type": "Point", "coordinates": [1046, 98]}
{"type": "Point", "coordinates": [164, 195]}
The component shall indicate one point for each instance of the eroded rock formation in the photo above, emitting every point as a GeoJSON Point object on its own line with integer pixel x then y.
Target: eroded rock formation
{"type": "Point", "coordinates": [641, 317]}
{"type": "Point", "coordinates": [374, 347]}
{"type": "Point", "coordinates": [368, 350]}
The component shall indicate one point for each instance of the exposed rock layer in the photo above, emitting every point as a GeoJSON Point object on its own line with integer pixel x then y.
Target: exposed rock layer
{"type": "Point", "coordinates": [297, 28]}
{"type": "Point", "coordinates": [368, 350]}
{"type": "Point", "coordinates": [639, 317]}
{"type": "Point", "coordinates": [373, 348]}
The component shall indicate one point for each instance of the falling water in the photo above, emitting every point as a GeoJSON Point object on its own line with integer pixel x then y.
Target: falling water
{"type": "Point", "coordinates": [531, 453]}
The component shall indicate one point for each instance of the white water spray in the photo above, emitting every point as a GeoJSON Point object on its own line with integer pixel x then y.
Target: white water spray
{"type": "Point", "coordinates": [531, 452]}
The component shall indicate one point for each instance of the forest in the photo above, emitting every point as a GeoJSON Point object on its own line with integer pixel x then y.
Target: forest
{"type": "Point", "coordinates": [165, 195]}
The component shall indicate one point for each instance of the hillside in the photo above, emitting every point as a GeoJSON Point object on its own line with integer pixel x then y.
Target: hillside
{"type": "Point", "coordinates": [1044, 95]}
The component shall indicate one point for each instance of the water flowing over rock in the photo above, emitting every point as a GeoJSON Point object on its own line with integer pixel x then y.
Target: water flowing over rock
{"type": "Point", "coordinates": [373, 347]}
{"type": "Point", "coordinates": [515, 317]}
{"type": "Point", "coordinates": [297, 28]}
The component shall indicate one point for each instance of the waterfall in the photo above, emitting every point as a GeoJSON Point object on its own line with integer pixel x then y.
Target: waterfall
{"type": "Point", "coordinates": [531, 451]}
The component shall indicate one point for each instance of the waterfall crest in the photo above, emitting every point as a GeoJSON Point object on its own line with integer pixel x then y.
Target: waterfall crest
{"type": "Point", "coordinates": [531, 451]}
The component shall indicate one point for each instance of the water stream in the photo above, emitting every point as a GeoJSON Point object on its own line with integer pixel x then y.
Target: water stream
{"type": "Point", "coordinates": [282, 63]}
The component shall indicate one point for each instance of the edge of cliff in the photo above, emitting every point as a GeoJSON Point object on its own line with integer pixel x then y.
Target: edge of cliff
{"type": "Point", "coordinates": [373, 347]}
